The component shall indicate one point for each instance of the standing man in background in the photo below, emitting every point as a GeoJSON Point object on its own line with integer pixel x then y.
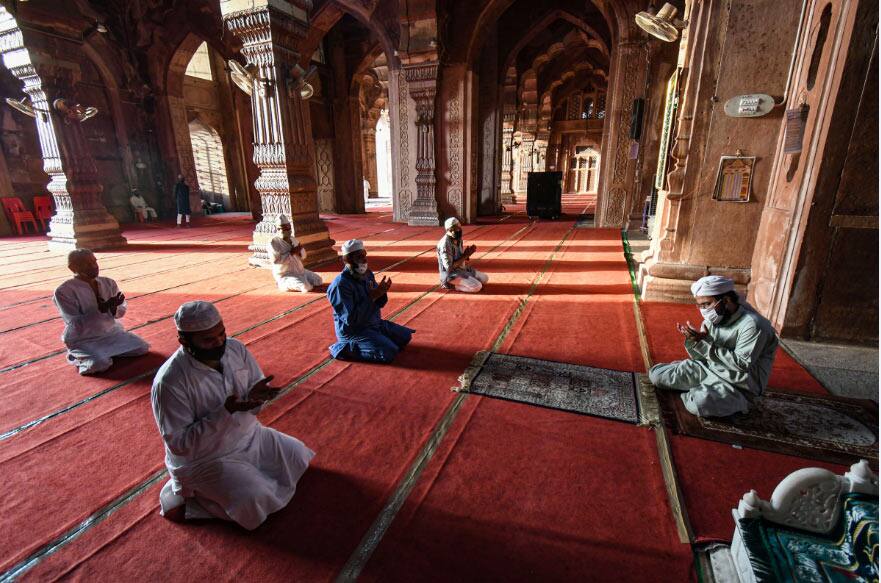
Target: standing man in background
{"type": "Point", "coordinates": [182, 200]}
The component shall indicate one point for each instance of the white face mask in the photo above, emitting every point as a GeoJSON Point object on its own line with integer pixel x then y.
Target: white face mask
{"type": "Point", "coordinates": [711, 315]}
{"type": "Point", "coordinates": [361, 268]}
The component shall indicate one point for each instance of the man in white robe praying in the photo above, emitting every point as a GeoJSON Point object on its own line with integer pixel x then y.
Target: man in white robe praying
{"type": "Point", "coordinates": [223, 463]}
{"type": "Point", "coordinates": [140, 206]}
{"type": "Point", "coordinates": [730, 356]}
{"type": "Point", "coordinates": [91, 307]}
{"type": "Point", "coordinates": [452, 261]}
{"type": "Point", "coordinates": [287, 255]}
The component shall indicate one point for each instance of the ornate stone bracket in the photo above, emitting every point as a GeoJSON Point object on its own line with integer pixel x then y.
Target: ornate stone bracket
{"type": "Point", "coordinates": [422, 83]}
{"type": "Point", "coordinates": [283, 145]}
{"type": "Point", "coordinates": [80, 220]}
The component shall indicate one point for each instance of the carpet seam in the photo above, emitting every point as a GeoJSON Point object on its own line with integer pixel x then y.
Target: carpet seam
{"type": "Point", "coordinates": [675, 495]}
{"type": "Point", "coordinates": [34, 422]}
{"type": "Point", "coordinates": [25, 363]}
{"type": "Point", "coordinates": [374, 535]}
{"type": "Point", "coordinates": [99, 516]}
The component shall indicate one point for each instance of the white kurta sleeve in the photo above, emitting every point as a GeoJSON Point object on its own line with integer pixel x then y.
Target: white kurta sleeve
{"type": "Point", "coordinates": [114, 289]}
{"type": "Point", "coordinates": [278, 250]}
{"type": "Point", "coordinates": [71, 312]}
{"type": "Point", "coordinates": [254, 373]}
{"type": "Point", "coordinates": [186, 436]}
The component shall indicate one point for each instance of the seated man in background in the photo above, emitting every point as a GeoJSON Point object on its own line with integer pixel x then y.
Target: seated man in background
{"type": "Point", "coordinates": [222, 462]}
{"type": "Point", "coordinates": [287, 255]}
{"type": "Point", "coordinates": [90, 307]}
{"type": "Point", "coordinates": [140, 206]}
{"type": "Point", "coordinates": [357, 299]}
{"type": "Point", "coordinates": [730, 356]}
{"type": "Point", "coordinates": [452, 261]}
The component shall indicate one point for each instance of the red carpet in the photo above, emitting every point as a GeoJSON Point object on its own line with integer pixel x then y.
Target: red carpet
{"type": "Point", "coordinates": [715, 476]}
{"type": "Point", "coordinates": [385, 416]}
{"type": "Point", "coordinates": [518, 493]}
{"type": "Point", "coordinates": [513, 492]}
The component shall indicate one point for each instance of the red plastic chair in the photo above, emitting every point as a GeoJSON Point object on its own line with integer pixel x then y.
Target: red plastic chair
{"type": "Point", "coordinates": [17, 213]}
{"type": "Point", "coordinates": [43, 210]}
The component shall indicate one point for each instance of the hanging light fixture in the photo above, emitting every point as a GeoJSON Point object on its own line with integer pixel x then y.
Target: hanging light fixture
{"type": "Point", "coordinates": [663, 25]}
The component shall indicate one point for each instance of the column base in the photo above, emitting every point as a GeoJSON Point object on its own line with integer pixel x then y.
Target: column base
{"type": "Point", "coordinates": [671, 282]}
{"type": "Point", "coordinates": [318, 244]}
{"type": "Point", "coordinates": [423, 214]}
{"type": "Point", "coordinates": [93, 236]}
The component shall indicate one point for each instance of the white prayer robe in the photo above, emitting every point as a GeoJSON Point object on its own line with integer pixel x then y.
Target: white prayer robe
{"type": "Point", "coordinates": [93, 338]}
{"type": "Point", "coordinates": [287, 268]}
{"type": "Point", "coordinates": [229, 464]}
{"type": "Point", "coordinates": [140, 205]}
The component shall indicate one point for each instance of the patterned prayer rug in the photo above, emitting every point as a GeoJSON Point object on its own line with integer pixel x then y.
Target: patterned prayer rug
{"type": "Point", "coordinates": [568, 387]}
{"type": "Point", "coordinates": [833, 429]}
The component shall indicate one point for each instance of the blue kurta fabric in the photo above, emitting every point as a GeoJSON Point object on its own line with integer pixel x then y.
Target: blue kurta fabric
{"type": "Point", "coordinates": [361, 332]}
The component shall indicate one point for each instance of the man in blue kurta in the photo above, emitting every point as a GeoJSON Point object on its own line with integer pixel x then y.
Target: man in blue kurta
{"type": "Point", "coordinates": [729, 356]}
{"type": "Point", "coordinates": [357, 299]}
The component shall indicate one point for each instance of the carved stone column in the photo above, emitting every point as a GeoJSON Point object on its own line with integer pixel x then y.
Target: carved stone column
{"type": "Point", "coordinates": [80, 220]}
{"type": "Point", "coordinates": [368, 141]}
{"type": "Point", "coordinates": [270, 31]}
{"type": "Point", "coordinates": [527, 147]}
{"type": "Point", "coordinates": [507, 161]}
{"type": "Point", "coordinates": [619, 170]}
{"type": "Point", "coordinates": [422, 83]}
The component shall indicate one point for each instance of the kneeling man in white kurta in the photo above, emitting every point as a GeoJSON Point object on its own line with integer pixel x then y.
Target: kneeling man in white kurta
{"type": "Point", "coordinates": [91, 307]}
{"type": "Point", "coordinates": [223, 463]}
{"type": "Point", "coordinates": [287, 255]}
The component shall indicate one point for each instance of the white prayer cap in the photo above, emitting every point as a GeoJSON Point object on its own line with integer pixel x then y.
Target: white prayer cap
{"type": "Point", "coordinates": [450, 223]}
{"type": "Point", "coordinates": [351, 246]}
{"type": "Point", "coordinates": [281, 220]}
{"type": "Point", "coordinates": [712, 285]}
{"type": "Point", "coordinates": [196, 316]}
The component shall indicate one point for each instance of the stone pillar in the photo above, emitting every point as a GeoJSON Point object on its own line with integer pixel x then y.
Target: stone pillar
{"type": "Point", "coordinates": [619, 170]}
{"type": "Point", "coordinates": [80, 220]}
{"type": "Point", "coordinates": [270, 31]}
{"type": "Point", "coordinates": [526, 155]}
{"type": "Point", "coordinates": [368, 141]}
{"type": "Point", "coordinates": [422, 83]}
{"type": "Point", "coordinates": [507, 194]}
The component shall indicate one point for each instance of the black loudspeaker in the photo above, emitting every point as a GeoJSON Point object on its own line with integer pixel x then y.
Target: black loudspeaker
{"type": "Point", "coordinates": [636, 118]}
{"type": "Point", "coordinates": [544, 194]}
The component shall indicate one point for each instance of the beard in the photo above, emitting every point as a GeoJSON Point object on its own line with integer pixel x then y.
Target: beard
{"type": "Point", "coordinates": [210, 354]}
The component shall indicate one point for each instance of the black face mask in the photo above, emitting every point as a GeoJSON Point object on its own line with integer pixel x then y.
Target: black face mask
{"type": "Point", "coordinates": [210, 354]}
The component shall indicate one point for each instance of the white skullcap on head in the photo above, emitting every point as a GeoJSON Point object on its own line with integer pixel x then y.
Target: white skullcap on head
{"type": "Point", "coordinates": [281, 220]}
{"type": "Point", "coordinates": [196, 316]}
{"type": "Point", "coordinates": [712, 285]}
{"type": "Point", "coordinates": [351, 246]}
{"type": "Point", "coordinates": [450, 223]}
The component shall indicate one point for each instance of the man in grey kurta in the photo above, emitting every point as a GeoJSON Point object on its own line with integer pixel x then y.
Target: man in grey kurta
{"type": "Point", "coordinates": [730, 356]}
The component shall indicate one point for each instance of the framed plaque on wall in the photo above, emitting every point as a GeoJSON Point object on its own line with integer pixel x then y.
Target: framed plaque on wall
{"type": "Point", "coordinates": [734, 181]}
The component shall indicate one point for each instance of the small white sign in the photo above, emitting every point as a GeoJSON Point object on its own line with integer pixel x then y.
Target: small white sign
{"type": "Point", "coordinates": [753, 105]}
